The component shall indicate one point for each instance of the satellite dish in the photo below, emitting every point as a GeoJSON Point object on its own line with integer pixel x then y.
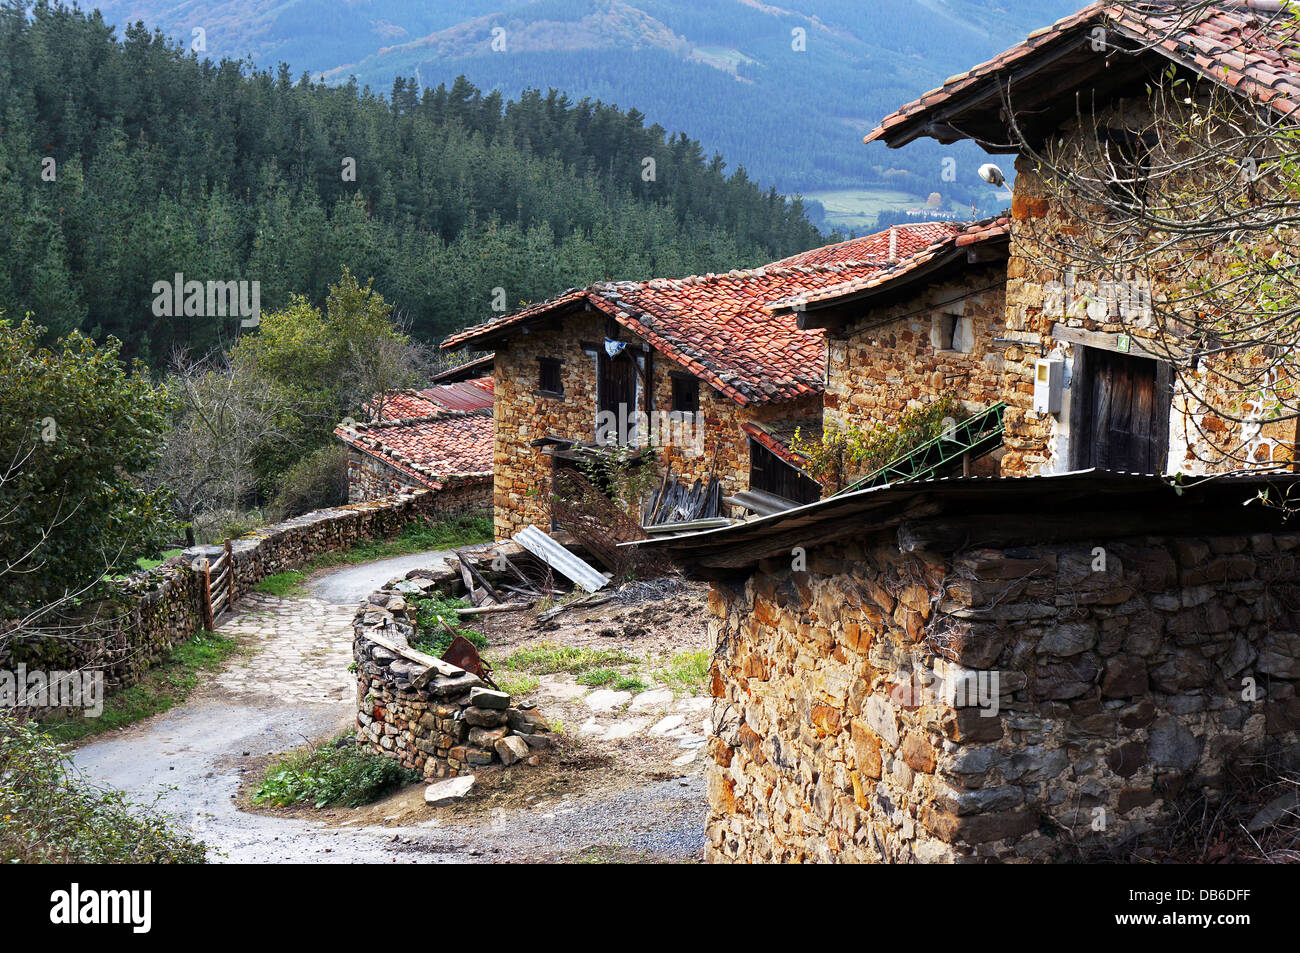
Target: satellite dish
{"type": "Point", "coordinates": [992, 175]}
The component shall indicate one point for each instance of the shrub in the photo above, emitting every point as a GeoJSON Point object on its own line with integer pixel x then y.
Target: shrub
{"type": "Point", "coordinates": [336, 772]}
{"type": "Point", "coordinates": [50, 814]}
{"type": "Point", "coordinates": [317, 481]}
{"type": "Point", "coordinates": [433, 638]}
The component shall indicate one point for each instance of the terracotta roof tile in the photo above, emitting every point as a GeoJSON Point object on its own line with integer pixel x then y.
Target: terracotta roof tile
{"type": "Point", "coordinates": [988, 230]}
{"type": "Point", "coordinates": [1258, 47]}
{"type": "Point", "coordinates": [719, 327]}
{"type": "Point", "coordinates": [436, 450]}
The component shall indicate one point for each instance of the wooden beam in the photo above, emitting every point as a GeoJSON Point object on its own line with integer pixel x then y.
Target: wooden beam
{"type": "Point", "coordinates": [1110, 342]}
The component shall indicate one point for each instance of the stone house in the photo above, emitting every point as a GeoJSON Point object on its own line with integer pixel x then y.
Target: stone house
{"type": "Point", "coordinates": [1031, 666]}
{"type": "Point", "coordinates": [1116, 389]}
{"type": "Point", "coordinates": [437, 439]}
{"type": "Point", "coordinates": [924, 327]}
{"type": "Point", "coordinates": [697, 366]}
{"type": "Point", "coordinates": [993, 669]}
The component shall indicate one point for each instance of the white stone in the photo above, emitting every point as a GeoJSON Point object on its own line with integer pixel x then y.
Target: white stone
{"type": "Point", "coordinates": [605, 699]}
{"type": "Point", "coordinates": [657, 698]}
{"type": "Point", "coordinates": [686, 758]}
{"type": "Point", "coordinates": [667, 724]}
{"type": "Point", "coordinates": [624, 729]}
{"type": "Point", "coordinates": [450, 791]}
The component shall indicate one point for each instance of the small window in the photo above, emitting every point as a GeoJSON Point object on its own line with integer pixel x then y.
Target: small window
{"type": "Point", "coordinates": [686, 394]}
{"type": "Point", "coordinates": [942, 327]}
{"type": "Point", "coordinates": [549, 380]}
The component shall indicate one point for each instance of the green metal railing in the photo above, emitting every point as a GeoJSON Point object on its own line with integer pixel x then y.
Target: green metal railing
{"type": "Point", "coordinates": [974, 436]}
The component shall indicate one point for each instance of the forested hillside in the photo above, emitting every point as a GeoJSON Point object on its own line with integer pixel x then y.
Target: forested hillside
{"type": "Point", "coordinates": [127, 161]}
{"type": "Point", "coordinates": [784, 88]}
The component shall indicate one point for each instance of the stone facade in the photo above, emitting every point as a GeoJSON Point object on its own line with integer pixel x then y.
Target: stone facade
{"type": "Point", "coordinates": [523, 414]}
{"type": "Point", "coordinates": [1043, 297]}
{"type": "Point", "coordinates": [1095, 694]}
{"type": "Point", "coordinates": [440, 722]}
{"type": "Point", "coordinates": [939, 341]}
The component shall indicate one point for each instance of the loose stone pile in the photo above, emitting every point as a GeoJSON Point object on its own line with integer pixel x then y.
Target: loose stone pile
{"type": "Point", "coordinates": [433, 717]}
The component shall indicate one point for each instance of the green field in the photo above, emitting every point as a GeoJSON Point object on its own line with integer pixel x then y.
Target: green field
{"type": "Point", "coordinates": [857, 209]}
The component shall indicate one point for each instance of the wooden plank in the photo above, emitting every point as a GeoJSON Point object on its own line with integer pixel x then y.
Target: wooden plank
{"type": "Point", "coordinates": [1103, 341]}
{"type": "Point", "coordinates": [479, 577]}
{"type": "Point", "coordinates": [504, 607]}
{"type": "Point", "coordinates": [414, 655]}
{"type": "Point", "coordinates": [557, 557]}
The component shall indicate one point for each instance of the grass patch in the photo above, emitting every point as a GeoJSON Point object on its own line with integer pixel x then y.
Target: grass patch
{"type": "Point", "coordinates": [331, 774]}
{"type": "Point", "coordinates": [686, 672]}
{"type": "Point", "coordinates": [547, 658]}
{"type": "Point", "coordinates": [619, 681]}
{"type": "Point", "coordinates": [162, 687]}
{"type": "Point", "coordinates": [281, 584]}
{"type": "Point", "coordinates": [148, 564]}
{"type": "Point", "coordinates": [515, 684]}
{"type": "Point", "coordinates": [416, 537]}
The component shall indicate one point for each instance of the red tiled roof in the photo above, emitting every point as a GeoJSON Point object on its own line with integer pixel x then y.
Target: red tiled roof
{"type": "Point", "coordinates": [1247, 45]}
{"type": "Point", "coordinates": [573, 296]}
{"type": "Point", "coordinates": [435, 450]}
{"type": "Point", "coordinates": [402, 405]}
{"type": "Point", "coordinates": [902, 240]}
{"type": "Point", "coordinates": [719, 327]}
{"type": "Point", "coordinates": [951, 246]}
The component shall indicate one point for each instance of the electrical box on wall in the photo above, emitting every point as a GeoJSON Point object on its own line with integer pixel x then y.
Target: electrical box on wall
{"type": "Point", "coordinates": [1049, 381]}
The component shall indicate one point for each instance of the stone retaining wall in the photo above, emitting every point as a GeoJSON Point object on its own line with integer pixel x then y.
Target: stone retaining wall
{"type": "Point", "coordinates": [438, 722]}
{"type": "Point", "coordinates": [1093, 696]}
{"type": "Point", "coordinates": [152, 612]}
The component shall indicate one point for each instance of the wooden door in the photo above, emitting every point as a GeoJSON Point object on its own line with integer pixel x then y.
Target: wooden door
{"type": "Point", "coordinates": [617, 384]}
{"type": "Point", "coordinates": [1121, 421]}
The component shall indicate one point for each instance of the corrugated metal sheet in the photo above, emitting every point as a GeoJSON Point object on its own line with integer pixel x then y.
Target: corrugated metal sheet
{"type": "Point", "coordinates": [462, 395]}
{"type": "Point", "coordinates": [559, 558]}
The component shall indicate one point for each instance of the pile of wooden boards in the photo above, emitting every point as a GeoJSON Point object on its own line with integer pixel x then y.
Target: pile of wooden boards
{"type": "Point", "coordinates": [678, 503]}
{"type": "Point", "coordinates": [520, 593]}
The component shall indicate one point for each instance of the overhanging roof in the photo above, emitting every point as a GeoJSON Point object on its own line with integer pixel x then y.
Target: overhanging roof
{"type": "Point", "coordinates": [968, 512]}
{"type": "Point", "coordinates": [1249, 46]}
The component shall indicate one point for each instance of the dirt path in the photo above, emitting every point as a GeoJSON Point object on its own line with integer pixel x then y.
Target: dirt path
{"type": "Point", "coordinates": [625, 784]}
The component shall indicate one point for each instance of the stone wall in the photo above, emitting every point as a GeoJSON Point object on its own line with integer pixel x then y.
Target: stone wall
{"type": "Point", "coordinates": [523, 414]}
{"type": "Point", "coordinates": [1089, 696]}
{"type": "Point", "coordinates": [439, 721]}
{"type": "Point", "coordinates": [1201, 439]}
{"type": "Point", "coordinates": [891, 360]}
{"type": "Point", "coordinates": [152, 612]}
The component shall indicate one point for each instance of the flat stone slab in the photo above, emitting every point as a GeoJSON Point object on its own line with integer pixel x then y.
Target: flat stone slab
{"type": "Point", "coordinates": [657, 698]}
{"type": "Point", "coordinates": [665, 725]}
{"type": "Point", "coordinates": [442, 793]}
{"type": "Point", "coordinates": [624, 729]}
{"type": "Point", "coordinates": [605, 699]}
{"type": "Point", "coordinates": [487, 698]}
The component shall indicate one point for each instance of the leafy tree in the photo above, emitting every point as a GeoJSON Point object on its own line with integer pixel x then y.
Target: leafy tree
{"type": "Point", "coordinates": [78, 428]}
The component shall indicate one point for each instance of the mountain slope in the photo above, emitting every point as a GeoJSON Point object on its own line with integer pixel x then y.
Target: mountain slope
{"type": "Point", "coordinates": [790, 108]}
